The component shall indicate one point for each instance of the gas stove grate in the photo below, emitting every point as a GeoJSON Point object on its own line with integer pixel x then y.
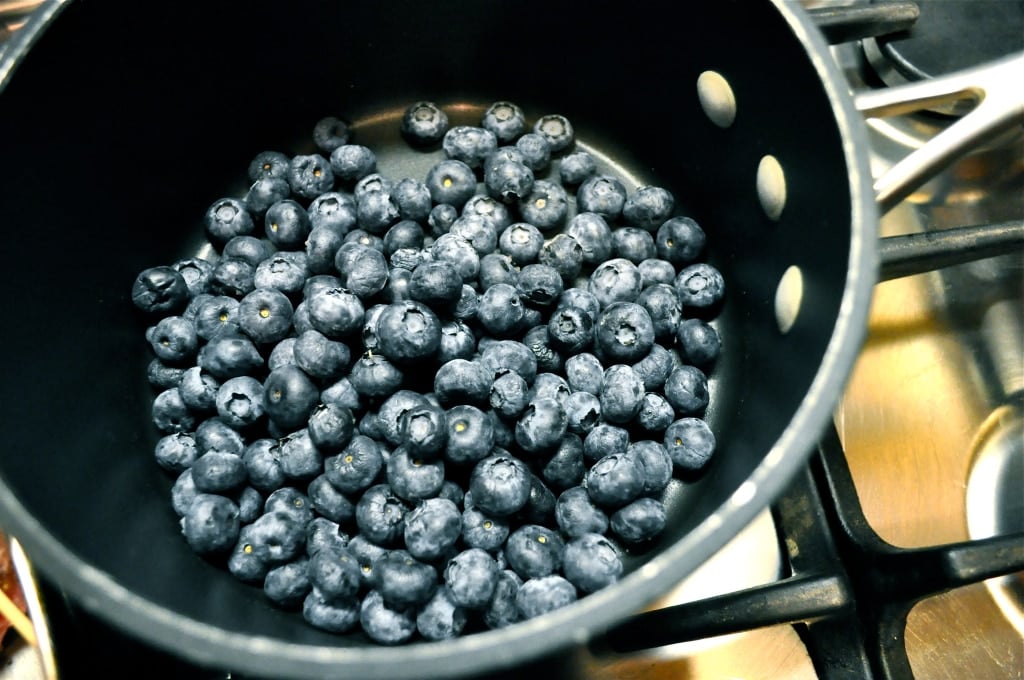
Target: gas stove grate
{"type": "Point", "coordinates": [847, 592]}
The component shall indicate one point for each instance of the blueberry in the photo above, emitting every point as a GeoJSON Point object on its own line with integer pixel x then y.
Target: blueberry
{"type": "Point", "coordinates": [364, 238]}
{"type": "Point", "coordinates": [501, 311]}
{"type": "Point", "coordinates": [213, 434]}
{"type": "Point", "coordinates": [432, 528]}
{"type": "Point", "coordinates": [160, 290]}
{"type": "Point", "coordinates": [393, 410]}
{"type": "Point", "coordinates": [470, 434]}
{"type": "Point", "coordinates": [557, 130]}
{"type": "Point", "coordinates": [331, 427]}
{"type": "Point", "coordinates": [641, 520]}
{"type": "Point", "coordinates": [452, 491]}
{"type": "Point", "coordinates": [542, 595]}
{"type": "Point", "coordinates": [287, 585]}
{"type": "Point", "coordinates": [183, 492]}
{"type": "Point", "coordinates": [225, 219]}
{"type": "Point", "coordinates": [656, 270]}
{"type": "Point", "coordinates": [320, 357]}
{"type": "Point", "coordinates": [287, 225]}
{"type": "Point", "coordinates": [164, 377]}
{"type": "Point", "coordinates": [633, 244]}
{"type": "Point", "coordinates": [170, 414]}
{"type": "Point", "coordinates": [402, 580]}
{"type": "Point", "coordinates": [680, 240]}
{"type": "Point", "coordinates": [687, 390]}
{"type": "Point", "coordinates": [423, 431]}
{"type": "Point", "coordinates": [577, 514]}
{"type": "Point", "coordinates": [483, 531]}
{"type": "Point", "coordinates": [343, 394]}
{"type": "Point", "coordinates": [243, 563]}
{"type": "Point", "coordinates": [406, 234]}
{"type": "Point", "coordinates": [521, 242]}
{"type": "Point", "coordinates": [376, 210]}
{"type": "Point", "coordinates": [505, 120]}
{"type": "Point", "coordinates": [647, 207]}
{"type": "Point", "coordinates": [333, 210]}
{"type": "Point", "coordinates": [194, 303]}
{"type": "Point", "coordinates": [583, 372]}
{"type": "Point", "coordinates": [469, 144]}
{"type": "Point", "coordinates": [509, 181]}
{"type": "Point", "coordinates": [655, 414]}
{"type": "Point", "coordinates": [575, 168]}
{"type": "Point", "coordinates": [502, 610]}
{"type": "Point", "coordinates": [356, 467]}
{"type": "Point", "coordinates": [413, 199]}
{"type": "Point", "coordinates": [510, 355]}
{"type": "Point", "coordinates": [367, 553]}
{"type": "Point", "coordinates": [410, 332]}
{"type": "Point", "coordinates": [232, 277]}
{"type": "Point", "coordinates": [591, 562]}
{"type": "Point", "coordinates": [535, 151]}
{"type": "Point", "coordinates": [509, 395]}
{"type": "Point", "coordinates": [268, 164]}
{"type": "Point", "coordinates": [362, 269]}
{"type": "Point", "coordinates": [664, 307]}
{"type": "Point", "coordinates": [380, 515]}
{"type": "Point", "coordinates": [616, 280]}
{"type": "Point", "coordinates": [700, 286]}
{"type": "Point", "coordinates": [262, 466]}
{"type": "Point", "coordinates": [565, 468]}
{"type": "Point", "coordinates": [571, 331]}
{"type": "Point", "coordinates": [352, 162]}
{"type": "Point", "coordinates": [334, 571]}
{"type": "Point", "coordinates": [542, 425]}
{"type": "Point", "coordinates": [500, 485]}
{"type": "Point", "coordinates": [285, 271]}
{"type": "Point", "coordinates": [582, 299]}
{"type": "Point", "coordinates": [624, 332]}
{"type": "Point", "coordinates": [564, 254]}
{"type": "Point", "coordinates": [299, 457]}
{"type": "Point", "coordinates": [471, 576]}
{"type": "Point", "coordinates": [441, 218]}
{"type": "Point", "coordinates": [329, 502]}
{"type": "Point", "coordinates": [504, 430]}
{"type": "Point", "coordinates": [533, 551]}
{"type": "Point", "coordinates": [460, 381]}
{"type": "Point", "coordinates": [216, 315]}
{"type": "Point", "coordinates": [322, 533]}
{"type": "Point", "coordinates": [310, 175]}
{"type": "Point", "coordinates": [539, 342]}
{"type": "Point", "coordinates": [290, 396]}
{"type": "Point", "coordinates": [451, 181]}
{"type": "Point", "coordinates": [602, 194]}
{"type": "Point", "coordinates": [265, 315]}
{"type": "Point", "coordinates": [424, 123]}
{"type": "Point", "coordinates": [477, 230]}
{"type": "Point", "coordinates": [457, 341]}
{"type": "Point", "coordinates": [698, 341]}
{"type": "Point", "coordinates": [322, 246]}
{"type": "Point", "coordinates": [540, 285]}
{"type": "Point", "coordinates": [460, 253]}
{"type": "Point", "coordinates": [265, 192]}
{"type": "Point", "coordinates": [329, 133]}
{"type": "Point", "coordinates": [197, 273]}
{"type": "Point", "coordinates": [176, 452]}
{"type": "Point", "coordinates": [546, 206]}
{"type": "Point", "coordinates": [583, 412]}
{"type": "Point", "coordinates": [335, 312]}
{"type": "Point", "coordinates": [240, 402]}
{"type": "Point", "coordinates": [494, 213]}
{"type": "Point", "coordinates": [173, 339]}
{"type": "Point", "coordinates": [655, 463]}
{"type": "Point", "coordinates": [467, 305]}
{"type": "Point", "coordinates": [655, 368]}
{"type": "Point", "coordinates": [436, 284]}
{"type": "Point", "coordinates": [622, 393]}
{"type": "Point", "coordinates": [412, 478]}
{"type": "Point", "coordinates": [440, 618]}
{"type": "Point", "coordinates": [690, 442]}
{"type": "Point", "coordinates": [292, 502]}
{"type": "Point", "coordinates": [210, 524]}
{"type": "Point", "coordinates": [614, 481]}
{"type": "Point", "coordinates": [333, 616]}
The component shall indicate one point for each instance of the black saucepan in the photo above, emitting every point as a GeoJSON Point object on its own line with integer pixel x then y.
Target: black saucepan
{"type": "Point", "coordinates": [124, 121]}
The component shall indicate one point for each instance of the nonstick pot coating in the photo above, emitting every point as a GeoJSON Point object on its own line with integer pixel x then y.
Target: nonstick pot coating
{"type": "Point", "coordinates": [124, 122]}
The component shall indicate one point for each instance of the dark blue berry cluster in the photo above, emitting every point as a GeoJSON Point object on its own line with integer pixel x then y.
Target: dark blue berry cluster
{"type": "Point", "coordinates": [427, 406]}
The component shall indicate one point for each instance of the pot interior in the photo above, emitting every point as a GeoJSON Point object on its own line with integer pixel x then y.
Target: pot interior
{"type": "Point", "coordinates": [124, 123]}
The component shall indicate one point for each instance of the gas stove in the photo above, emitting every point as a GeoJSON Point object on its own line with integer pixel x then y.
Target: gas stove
{"type": "Point", "coordinates": [897, 552]}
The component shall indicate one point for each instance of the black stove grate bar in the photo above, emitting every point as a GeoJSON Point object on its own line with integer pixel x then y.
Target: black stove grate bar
{"type": "Point", "coordinates": [847, 592]}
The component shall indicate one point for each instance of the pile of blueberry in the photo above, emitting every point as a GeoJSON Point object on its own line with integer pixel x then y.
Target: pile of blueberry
{"type": "Point", "coordinates": [424, 407]}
